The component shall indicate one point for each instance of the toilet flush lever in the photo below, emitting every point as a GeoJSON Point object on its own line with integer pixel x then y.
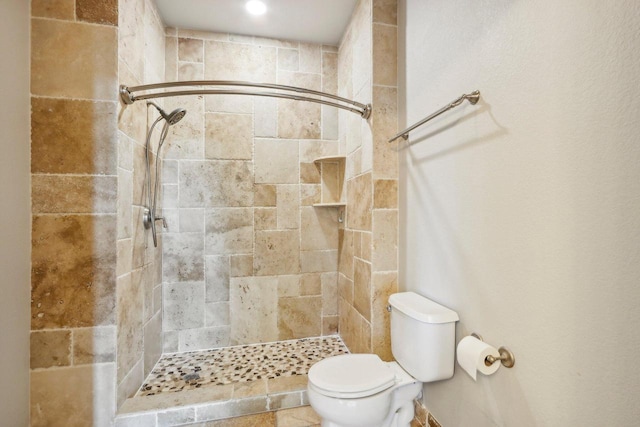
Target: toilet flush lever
{"type": "Point", "coordinates": [389, 308]}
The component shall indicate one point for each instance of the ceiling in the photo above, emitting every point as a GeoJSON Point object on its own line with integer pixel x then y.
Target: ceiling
{"type": "Point", "coordinates": [315, 21]}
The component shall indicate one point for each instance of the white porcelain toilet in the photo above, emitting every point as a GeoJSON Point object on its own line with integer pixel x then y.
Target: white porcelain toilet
{"type": "Point", "coordinates": [360, 390]}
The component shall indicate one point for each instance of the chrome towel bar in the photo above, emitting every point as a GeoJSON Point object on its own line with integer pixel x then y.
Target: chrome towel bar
{"type": "Point", "coordinates": [472, 97]}
{"type": "Point", "coordinates": [129, 97]}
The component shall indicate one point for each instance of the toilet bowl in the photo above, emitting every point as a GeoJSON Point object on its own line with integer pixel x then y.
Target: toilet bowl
{"type": "Point", "coordinates": [360, 390]}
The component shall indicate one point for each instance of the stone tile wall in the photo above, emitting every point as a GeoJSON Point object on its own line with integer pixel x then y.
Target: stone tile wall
{"type": "Point", "coordinates": [246, 257]}
{"type": "Point", "coordinates": [141, 51]}
{"type": "Point", "coordinates": [367, 71]}
{"type": "Point", "coordinates": [74, 166]}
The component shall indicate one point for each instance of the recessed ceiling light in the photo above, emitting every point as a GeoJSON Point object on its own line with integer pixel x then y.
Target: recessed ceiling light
{"type": "Point", "coordinates": [255, 7]}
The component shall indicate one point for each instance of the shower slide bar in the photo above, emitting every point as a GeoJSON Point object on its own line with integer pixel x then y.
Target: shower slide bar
{"type": "Point", "coordinates": [129, 97]}
{"type": "Point", "coordinates": [472, 97]}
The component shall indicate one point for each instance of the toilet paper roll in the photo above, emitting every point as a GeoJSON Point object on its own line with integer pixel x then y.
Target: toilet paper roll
{"type": "Point", "coordinates": [471, 353]}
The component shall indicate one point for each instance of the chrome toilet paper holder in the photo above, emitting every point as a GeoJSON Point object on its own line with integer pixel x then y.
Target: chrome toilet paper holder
{"type": "Point", "coordinates": [506, 356]}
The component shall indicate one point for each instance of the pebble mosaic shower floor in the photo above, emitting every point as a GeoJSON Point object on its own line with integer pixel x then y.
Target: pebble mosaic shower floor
{"type": "Point", "coordinates": [188, 371]}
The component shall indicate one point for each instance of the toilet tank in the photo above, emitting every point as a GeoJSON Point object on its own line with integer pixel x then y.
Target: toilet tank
{"type": "Point", "coordinates": [423, 336]}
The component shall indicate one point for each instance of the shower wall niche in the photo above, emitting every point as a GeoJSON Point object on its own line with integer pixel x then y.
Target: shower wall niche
{"type": "Point", "coordinates": [246, 257]}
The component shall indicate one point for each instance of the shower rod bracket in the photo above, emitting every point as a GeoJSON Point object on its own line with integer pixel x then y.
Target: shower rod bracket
{"type": "Point", "coordinates": [128, 96]}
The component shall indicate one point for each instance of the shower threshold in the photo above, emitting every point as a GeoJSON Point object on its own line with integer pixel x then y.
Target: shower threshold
{"type": "Point", "coordinates": [227, 382]}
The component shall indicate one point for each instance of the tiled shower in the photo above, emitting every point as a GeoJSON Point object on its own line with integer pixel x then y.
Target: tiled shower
{"type": "Point", "coordinates": [246, 258]}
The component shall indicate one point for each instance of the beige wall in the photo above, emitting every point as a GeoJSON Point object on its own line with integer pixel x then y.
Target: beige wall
{"type": "Point", "coordinates": [246, 257]}
{"type": "Point", "coordinates": [521, 213]}
{"type": "Point", "coordinates": [368, 240]}
{"type": "Point", "coordinates": [14, 216]}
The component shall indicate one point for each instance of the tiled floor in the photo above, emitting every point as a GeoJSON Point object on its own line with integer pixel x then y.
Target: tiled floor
{"type": "Point", "coordinates": [188, 371]}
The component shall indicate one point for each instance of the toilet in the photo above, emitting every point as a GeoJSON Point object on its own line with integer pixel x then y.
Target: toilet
{"type": "Point", "coordinates": [360, 390]}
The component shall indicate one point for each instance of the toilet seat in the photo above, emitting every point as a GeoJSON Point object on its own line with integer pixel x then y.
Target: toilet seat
{"type": "Point", "coordinates": [351, 376]}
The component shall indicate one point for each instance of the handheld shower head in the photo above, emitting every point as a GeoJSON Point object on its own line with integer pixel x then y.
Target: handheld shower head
{"type": "Point", "coordinates": [173, 117]}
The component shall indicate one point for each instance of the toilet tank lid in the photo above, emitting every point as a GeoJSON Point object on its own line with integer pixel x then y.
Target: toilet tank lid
{"type": "Point", "coordinates": [421, 308]}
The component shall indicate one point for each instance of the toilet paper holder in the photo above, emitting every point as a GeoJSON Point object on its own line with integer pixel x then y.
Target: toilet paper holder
{"type": "Point", "coordinates": [506, 356]}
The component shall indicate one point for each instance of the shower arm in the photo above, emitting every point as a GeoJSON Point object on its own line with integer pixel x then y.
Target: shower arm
{"type": "Point", "coordinates": [128, 97]}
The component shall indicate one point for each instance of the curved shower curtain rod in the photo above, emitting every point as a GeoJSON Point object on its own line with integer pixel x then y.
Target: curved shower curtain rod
{"type": "Point", "coordinates": [128, 97]}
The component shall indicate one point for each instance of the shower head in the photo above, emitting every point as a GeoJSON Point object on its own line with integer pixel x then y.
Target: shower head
{"type": "Point", "coordinates": [173, 117]}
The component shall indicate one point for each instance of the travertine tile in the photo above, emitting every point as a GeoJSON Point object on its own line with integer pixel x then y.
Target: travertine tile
{"type": "Point", "coordinates": [366, 246]}
{"type": "Point", "coordinates": [319, 229]}
{"type": "Point", "coordinates": [264, 195]}
{"type": "Point", "coordinates": [250, 388]}
{"type": "Point", "coordinates": [385, 194]}
{"type": "Point", "coordinates": [310, 58]}
{"type": "Point", "coordinates": [152, 341]}
{"type": "Point", "coordinates": [237, 104]}
{"type": "Point", "coordinates": [299, 317]}
{"type": "Point", "coordinates": [216, 183]}
{"type": "Point", "coordinates": [230, 409]}
{"type": "Point", "coordinates": [228, 231]}
{"type": "Point", "coordinates": [254, 304]}
{"type": "Point", "coordinates": [345, 288]}
{"type": "Point", "coordinates": [228, 136]}
{"type": "Point", "coordinates": [311, 284]}
{"type": "Point", "coordinates": [330, 72]}
{"type": "Point", "coordinates": [303, 416]}
{"type": "Point", "coordinates": [288, 286]}
{"type": "Point", "coordinates": [265, 117]}
{"type": "Point", "coordinates": [359, 200]}
{"type": "Point", "coordinates": [318, 261]}
{"type": "Point", "coordinates": [288, 59]}
{"type": "Point", "coordinates": [345, 252]}
{"type": "Point", "coordinates": [251, 63]}
{"type": "Point", "coordinates": [266, 218]}
{"type": "Point", "coordinates": [216, 314]}
{"type": "Point", "coordinates": [299, 119]}
{"type": "Point", "coordinates": [73, 60]}
{"type": "Point", "coordinates": [242, 265]}
{"type": "Point", "coordinates": [72, 136]}
{"type": "Point", "coordinates": [288, 206]}
{"type": "Point", "coordinates": [385, 11]}
{"type": "Point", "coordinates": [384, 284]}
{"type": "Point", "coordinates": [330, 324]}
{"type": "Point", "coordinates": [131, 38]}
{"type": "Point", "coordinates": [191, 50]}
{"type": "Point", "coordinates": [94, 345]}
{"type": "Point", "coordinates": [143, 420]}
{"type": "Point", "coordinates": [171, 59]}
{"type": "Point", "coordinates": [190, 71]}
{"type": "Point", "coordinates": [73, 194]}
{"type": "Point", "coordinates": [124, 202]}
{"type": "Point", "coordinates": [57, 9]}
{"type": "Point", "coordinates": [73, 270]}
{"type": "Point", "coordinates": [125, 254]}
{"type": "Point", "coordinates": [184, 305]}
{"type": "Point", "coordinates": [69, 397]}
{"type": "Point", "coordinates": [309, 173]}
{"type": "Point", "coordinates": [183, 258]}
{"type": "Point", "coordinates": [276, 161]}
{"type": "Point", "coordinates": [97, 11]}
{"type": "Point", "coordinates": [129, 334]}
{"type": "Point", "coordinates": [329, 293]}
{"type": "Point", "coordinates": [310, 194]}
{"type": "Point", "coordinates": [311, 149]}
{"type": "Point", "coordinates": [266, 419]}
{"type": "Point", "coordinates": [332, 179]}
{"type": "Point", "coordinates": [385, 240]}
{"type": "Point", "coordinates": [176, 417]}
{"type": "Point", "coordinates": [204, 338]}
{"type": "Point", "coordinates": [50, 348]}
{"type": "Point", "coordinates": [330, 122]}
{"type": "Point", "coordinates": [191, 220]}
{"type": "Point", "coordinates": [384, 122]}
{"type": "Point", "coordinates": [285, 400]}
{"type": "Point", "coordinates": [385, 67]}
{"type": "Point", "coordinates": [217, 278]}
{"type": "Point", "coordinates": [185, 139]}
{"type": "Point", "coordinates": [277, 252]}
{"type": "Point", "coordinates": [204, 35]}
{"type": "Point", "coordinates": [362, 287]}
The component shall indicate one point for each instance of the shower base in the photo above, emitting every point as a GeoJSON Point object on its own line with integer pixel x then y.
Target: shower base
{"type": "Point", "coordinates": [228, 382]}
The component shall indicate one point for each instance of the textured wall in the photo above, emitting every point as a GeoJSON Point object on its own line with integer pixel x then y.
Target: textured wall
{"type": "Point", "coordinates": [74, 74]}
{"type": "Point", "coordinates": [368, 241]}
{"type": "Point", "coordinates": [139, 267]}
{"type": "Point", "coordinates": [521, 213]}
{"type": "Point", "coordinates": [14, 216]}
{"type": "Point", "coordinates": [246, 257]}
